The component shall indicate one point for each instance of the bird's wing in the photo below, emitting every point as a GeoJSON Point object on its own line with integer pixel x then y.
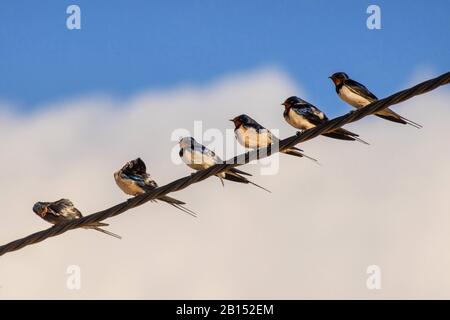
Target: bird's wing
{"type": "Point", "coordinates": [360, 89]}
{"type": "Point", "coordinates": [64, 208]}
{"type": "Point", "coordinates": [144, 181]}
{"type": "Point", "coordinates": [312, 114]}
{"type": "Point", "coordinates": [199, 156]}
{"type": "Point", "coordinates": [209, 155]}
{"type": "Point", "coordinates": [62, 203]}
{"type": "Point", "coordinates": [253, 124]}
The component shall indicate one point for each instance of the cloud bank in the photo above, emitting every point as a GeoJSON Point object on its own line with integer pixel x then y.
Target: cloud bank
{"type": "Point", "coordinates": [386, 204]}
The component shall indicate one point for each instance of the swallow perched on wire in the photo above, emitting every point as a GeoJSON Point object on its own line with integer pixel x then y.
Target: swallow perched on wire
{"type": "Point", "coordinates": [199, 157]}
{"type": "Point", "coordinates": [134, 180]}
{"type": "Point", "coordinates": [63, 210]}
{"type": "Point", "coordinates": [302, 115]}
{"type": "Point", "coordinates": [358, 96]}
{"type": "Point", "coordinates": [252, 135]}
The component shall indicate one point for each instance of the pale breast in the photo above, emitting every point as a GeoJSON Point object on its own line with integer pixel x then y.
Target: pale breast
{"type": "Point", "coordinates": [352, 98]}
{"type": "Point", "coordinates": [298, 121]}
{"type": "Point", "coordinates": [196, 160]}
{"type": "Point", "coordinates": [128, 186]}
{"type": "Point", "coordinates": [251, 138]}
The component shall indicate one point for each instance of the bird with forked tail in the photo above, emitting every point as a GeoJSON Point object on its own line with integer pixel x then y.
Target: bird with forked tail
{"type": "Point", "coordinates": [303, 115]}
{"type": "Point", "coordinates": [63, 210]}
{"type": "Point", "coordinates": [198, 157]}
{"type": "Point", "coordinates": [358, 96]}
{"type": "Point", "coordinates": [134, 180]}
{"type": "Point", "coordinates": [252, 135]}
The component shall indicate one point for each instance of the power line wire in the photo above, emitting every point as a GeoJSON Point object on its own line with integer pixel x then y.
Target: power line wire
{"type": "Point", "coordinates": [198, 176]}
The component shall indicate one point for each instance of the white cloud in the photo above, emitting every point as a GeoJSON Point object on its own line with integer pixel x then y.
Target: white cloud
{"type": "Point", "coordinates": [313, 237]}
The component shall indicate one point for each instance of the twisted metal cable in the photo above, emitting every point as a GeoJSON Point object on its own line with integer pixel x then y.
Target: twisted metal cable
{"type": "Point", "coordinates": [198, 176]}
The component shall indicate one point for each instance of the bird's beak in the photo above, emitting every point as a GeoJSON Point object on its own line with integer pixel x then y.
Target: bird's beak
{"type": "Point", "coordinates": [284, 104]}
{"type": "Point", "coordinates": [232, 120]}
{"type": "Point", "coordinates": [330, 77]}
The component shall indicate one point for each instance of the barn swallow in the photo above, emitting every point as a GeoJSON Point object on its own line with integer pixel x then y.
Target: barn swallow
{"type": "Point", "coordinates": [134, 180]}
{"type": "Point", "coordinates": [358, 96]}
{"type": "Point", "coordinates": [252, 135]}
{"type": "Point", "coordinates": [62, 211]}
{"type": "Point", "coordinates": [199, 157]}
{"type": "Point", "coordinates": [302, 115]}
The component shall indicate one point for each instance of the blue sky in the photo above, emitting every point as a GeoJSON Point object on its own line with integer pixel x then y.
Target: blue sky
{"type": "Point", "coordinates": [125, 47]}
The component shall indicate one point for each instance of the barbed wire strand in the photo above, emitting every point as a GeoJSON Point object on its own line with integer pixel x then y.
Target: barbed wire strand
{"type": "Point", "coordinates": [198, 176]}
